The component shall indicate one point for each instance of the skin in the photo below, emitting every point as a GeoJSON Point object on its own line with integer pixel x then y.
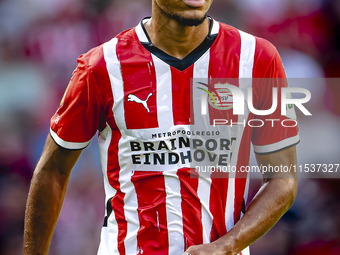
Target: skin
{"type": "Point", "coordinates": [170, 36]}
{"type": "Point", "coordinates": [49, 182]}
{"type": "Point", "coordinates": [46, 196]}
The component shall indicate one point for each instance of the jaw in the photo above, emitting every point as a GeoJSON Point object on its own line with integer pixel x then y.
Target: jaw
{"type": "Point", "coordinates": [187, 10]}
{"type": "Point", "coordinates": [177, 28]}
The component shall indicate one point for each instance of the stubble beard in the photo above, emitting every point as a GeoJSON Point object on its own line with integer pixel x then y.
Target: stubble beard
{"type": "Point", "coordinates": [190, 22]}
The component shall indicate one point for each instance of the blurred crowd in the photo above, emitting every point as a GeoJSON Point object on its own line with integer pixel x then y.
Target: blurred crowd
{"type": "Point", "coordinates": [40, 41]}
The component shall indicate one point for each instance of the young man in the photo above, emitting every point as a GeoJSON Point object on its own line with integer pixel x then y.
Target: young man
{"type": "Point", "coordinates": [135, 89]}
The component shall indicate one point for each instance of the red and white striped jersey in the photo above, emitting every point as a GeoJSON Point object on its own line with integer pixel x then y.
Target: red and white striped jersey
{"type": "Point", "coordinates": [139, 99]}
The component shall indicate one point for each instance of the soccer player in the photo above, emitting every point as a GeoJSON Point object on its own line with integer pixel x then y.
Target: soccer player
{"type": "Point", "coordinates": [135, 89]}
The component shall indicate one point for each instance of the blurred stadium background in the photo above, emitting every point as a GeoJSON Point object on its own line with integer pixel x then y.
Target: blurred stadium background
{"type": "Point", "coordinates": [40, 41]}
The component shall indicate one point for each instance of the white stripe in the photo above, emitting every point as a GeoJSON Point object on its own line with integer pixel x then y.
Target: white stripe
{"type": "Point", "coordinates": [216, 27]}
{"type": "Point", "coordinates": [104, 247]}
{"type": "Point", "coordinates": [201, 71]}
{"type": "Point", "coordinates": [104, 141]}
{"type": "Point", "coordinates": [68, 145]}
{"type": "Point", "coordinates": [246, 190]}
{"type": "Point", "coordinates": [108, 241]}
{"type": "Point", "coordinates": [174, 212]}
{"type": "Point", "coordinates": [277, 146]}
{"type": "Point", "coordinates": [126, 186]}
{"type": "Point", "coordinates": [140, 32]}
{"type": "Point", "coordinates": [229, 212]}
{"type": "Point", "coordinates": [245, 251]}
{"type": "Point", "coordinates": [236, 131]}
{"type": "Point", "coordinates": [247, 55]}
{"type": "Point", "coordinates": [164, 94]}
{"type": "Point", "coordinates": [113, 67]}
{"type": "Point", "coordinates": [203, 192]}
{"type": "Point", "coordinates": [201, 67]}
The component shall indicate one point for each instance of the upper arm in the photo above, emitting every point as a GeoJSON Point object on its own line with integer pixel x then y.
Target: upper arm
{"type": "Point", "coordinates": [57, 160]}
{"type": "Point", "coordinates": [46, 195]}
{"type": "Point", "coordinates": [284, 161]}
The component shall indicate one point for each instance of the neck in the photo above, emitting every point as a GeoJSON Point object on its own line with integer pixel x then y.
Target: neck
{"type": "Point", "coordinates": [174, 39]}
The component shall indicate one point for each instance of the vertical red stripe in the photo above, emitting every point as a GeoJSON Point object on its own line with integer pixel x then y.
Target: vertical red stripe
{"type": "Point", "coordinates": [224, 68]}
{"type": "Point", "coordinates": [117, 203]}
{"type": "Point", "coordinates": [191, 208]}
{"type": "Point", "coordinates": [218, 201]}
{"type": "Point", "coordinates": [225, 54]}
{"type": "Point", "coordinates": [139, 77]}
{"type": "Point", "coordinates": [181, 94]}
{"type": "Point", "coordinates": [152, 237]}
{"type": "Point", "coordinates": [240, 185]}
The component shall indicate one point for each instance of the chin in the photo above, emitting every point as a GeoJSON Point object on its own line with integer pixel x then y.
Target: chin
{"type": "Point", "coordinates": [189, 20]}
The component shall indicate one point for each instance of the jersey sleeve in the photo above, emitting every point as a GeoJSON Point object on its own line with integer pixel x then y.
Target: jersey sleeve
{"type": "Point", "coordinates": [278, 132]}
{"type": "Point", "coordinates": [77, 119]}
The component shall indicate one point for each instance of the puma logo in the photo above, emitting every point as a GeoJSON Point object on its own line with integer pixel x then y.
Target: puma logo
{"type": "Point", "coordinates": [134, 98]}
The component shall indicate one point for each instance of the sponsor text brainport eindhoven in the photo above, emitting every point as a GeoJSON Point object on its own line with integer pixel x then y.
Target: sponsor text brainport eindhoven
{"type": "Point", "coordinates": [176, 149]}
